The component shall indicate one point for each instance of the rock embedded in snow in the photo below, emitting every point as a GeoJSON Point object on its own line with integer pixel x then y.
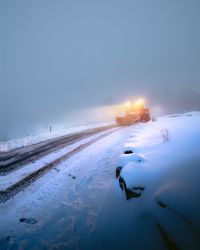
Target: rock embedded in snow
{"type": "Point", "coordinates": [28, 220]}
{"type": "Point", "coordinates": [134, 192]}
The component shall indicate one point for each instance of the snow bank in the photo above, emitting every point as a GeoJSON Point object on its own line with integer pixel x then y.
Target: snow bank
{"type": "Point", "coordinates": [173, 161]}
{"type": "Point", "coordinates": [167, 182]}
{"type": "Point", "coordinates": [134, 174]}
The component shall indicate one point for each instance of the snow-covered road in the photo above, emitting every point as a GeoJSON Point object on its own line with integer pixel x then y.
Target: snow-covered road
{"type": "Point", "coordinates": [22, 176]}
{"type": "Point", "coordinates": [67, 201]}
{"type": "Point", "coordinates": [80, 205]}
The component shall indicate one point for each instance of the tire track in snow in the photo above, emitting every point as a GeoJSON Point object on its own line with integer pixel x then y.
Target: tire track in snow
{"type": "Point", "coordinates": [15, 159]}
{"type": "Point", "coordinates": [25, 182]}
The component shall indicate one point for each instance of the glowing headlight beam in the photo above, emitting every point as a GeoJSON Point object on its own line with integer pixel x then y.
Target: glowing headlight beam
{"type": "Point", "coordinates": [127, 104]}
{"type": "Point", "coordinates": [139, 102]}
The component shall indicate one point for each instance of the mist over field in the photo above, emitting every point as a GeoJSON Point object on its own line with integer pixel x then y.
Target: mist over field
{"type": "Point", "coordinates": [99, 124]}
{"type": "Point", "coordinates": [61, 60]}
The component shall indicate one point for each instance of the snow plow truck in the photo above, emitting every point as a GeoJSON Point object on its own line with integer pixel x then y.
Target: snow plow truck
{"type": "Point", "coordinates": [134, 113]}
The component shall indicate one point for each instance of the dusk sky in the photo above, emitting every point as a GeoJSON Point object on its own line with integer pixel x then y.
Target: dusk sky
{"type": "Point", "coordinates": [64, 55]}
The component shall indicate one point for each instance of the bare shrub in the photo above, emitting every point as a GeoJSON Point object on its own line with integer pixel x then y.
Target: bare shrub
{"type": "Point", "coordinates": [164, 134]}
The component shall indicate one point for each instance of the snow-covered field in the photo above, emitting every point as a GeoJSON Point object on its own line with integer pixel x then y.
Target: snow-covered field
{"type": "Point", "coordinates": [36, 138]}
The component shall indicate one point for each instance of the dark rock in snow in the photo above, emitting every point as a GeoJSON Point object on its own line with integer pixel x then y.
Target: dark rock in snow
{"type": "Point", "coordinates": [161, 204]}
{"type": "Point", "coordinates": [28, 220]}
{"type": "Point", "coordinates": [117, 172]}
{"type": "Point", "coordinates": [138, 188]}
{"type": "Point", "coordinates": [130, 193]}
{"type": "Point", "coordinates": [128, 152]}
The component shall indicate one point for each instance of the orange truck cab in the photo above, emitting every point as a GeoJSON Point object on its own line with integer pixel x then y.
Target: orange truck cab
{"type": "Point", "coordinates": [134, 114]}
